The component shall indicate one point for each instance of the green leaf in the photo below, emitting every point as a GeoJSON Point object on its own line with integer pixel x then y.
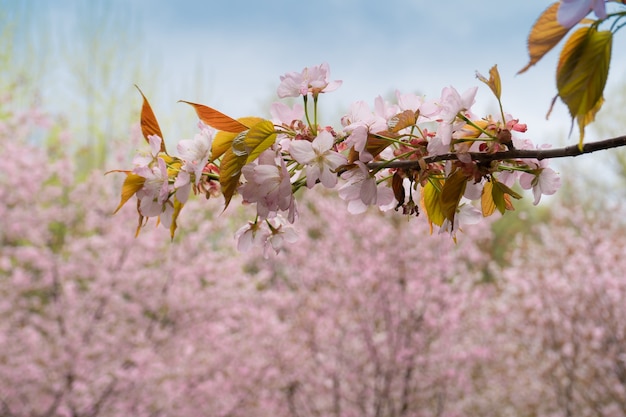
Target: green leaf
{"type": "Point", "coordinates": [582, 73]}
{"type": "Point", "coordinates": [499, 193]}
{"type": "Point", "coordinates": [545, 34]}
{"type": "Point", "coordinates": [223, 140]}
{"type": "Point", "coordinates": [259, 138]}
{"type": "Point", "coordinates": [451, 194]}
{"type": "Point", "coordinates": [230, 172]}
{"type": "Point", "coordinates": [431, 201]}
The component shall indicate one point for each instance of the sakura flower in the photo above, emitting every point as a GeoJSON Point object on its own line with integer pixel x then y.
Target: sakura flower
{"type": "Point", "coordinates": [251, 234]}
{"type": "Point", "coordinates": [408, 101]}
{"type": "Point", "coordinates": [319, 159]}
{"type": "Point", "coordinates": [268, 185]}
{"type": "Point", "coordinates": [362, 191]}
{"type": "Point", "coordinates": [312, 80]}
{"type": "Point", "coordinates": [543, 181]}
{"type": "Point", "coordinates": [281, 233]}
{"type": "Point", "coordinates": [155, 190]}
{"type": "Point", "coordinates": [466, 214]}
{"type": "Point", "coordinates": [359, 122]}
{"type": "Point", "coordinates": [144, 159]}
{"type": "Point", "coordinates": [450, 105]}
{"type": "Point", "coordinates": [282, 114]}
{"type": "Point", "coordinates": [573, 11]}
{"type": "Point", "coordinates": [196, 152]}
{"type": "Point", "coordinates": [182, 184]}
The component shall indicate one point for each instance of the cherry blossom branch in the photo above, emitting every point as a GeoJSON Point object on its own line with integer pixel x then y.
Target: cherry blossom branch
{"type": "Point", "coordinates": [568, 151]}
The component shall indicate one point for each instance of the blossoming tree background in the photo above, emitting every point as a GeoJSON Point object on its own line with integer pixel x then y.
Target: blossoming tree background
{"type": "Point", "coordinates": [366, 313]}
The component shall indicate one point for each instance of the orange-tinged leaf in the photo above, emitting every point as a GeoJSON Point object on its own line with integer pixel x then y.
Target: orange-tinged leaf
{"type": "Point", "coordinates": [259, 138]}
{"type": "Point", "coordinates": [376, 143]}
{"type": "Point", "coordinates": [501, 196]}
{"type": "Point", "coordinates": [402, 120]}
{"type": "Point", "coordinates": [545, 34]}
{"type": "Point", "coordinates": [140, 221]}
{"type": "Point", "coordinates": [451, 194]}
{"type": "Point", "coordinates": [488, 206]}
{"type": "Point", "coordinates": [431, 202]}
{"type": "Point", "coordinates": [582, 73]}
{"type": "Point", "coordinates": [230, 172]}
{"type": "Point", "coordinates": [216, 119]}
{"type": "Point", "coordinates": [494, 82]}
{"type": "Point", "coordinates": [149, 124]}
{"type": "Point", "coordinates": [132, 184]}
{"type": "Point", "coordinates": [178, 207]}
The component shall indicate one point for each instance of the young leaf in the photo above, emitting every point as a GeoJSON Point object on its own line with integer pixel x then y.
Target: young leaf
{"type": "Point", "coordinates": [545, 34]}
{"type": "Point", "coordinates": [149, 124]}
{"type": "Point", "coordinates": [501, 194]}
{"type": "Point", "coordinates": [451, 194]}
{"type": "Point", "coordinates": [230, 172]}
{"type": "Point", "coordinates": [402, 120]}
{"type": "Point", "coordinates": [223, 140]}
{"type": "Point", "coordinates": [493, 82]}
{"type": "Point", "coordinates": [431, 202]}
{"type": "Point", "coordinates": [132, 184]}
{"type": "Point", "coordinates": [260, 137]}
{"type": "Point", "coordinates": [487, 202]}
{"type": "Point", "coordinates": [376, 144]}
{"type": "Point", "coordinates": [216, 119]}
{"type": "Point", "coordinates": [178, 207]}
{"type": "Point", "coordinates": [582, 73]}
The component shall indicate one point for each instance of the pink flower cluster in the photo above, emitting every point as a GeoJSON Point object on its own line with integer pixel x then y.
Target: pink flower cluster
{"type": "Point", "coordinates": [362, 158]}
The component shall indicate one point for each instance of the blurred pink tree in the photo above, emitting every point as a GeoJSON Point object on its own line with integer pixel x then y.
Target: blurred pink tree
{"type": "Point", "coordinates": [95, 322]}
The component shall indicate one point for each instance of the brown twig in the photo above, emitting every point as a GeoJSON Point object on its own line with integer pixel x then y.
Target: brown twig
{"type": "Point", "coordinates": [568, 151]}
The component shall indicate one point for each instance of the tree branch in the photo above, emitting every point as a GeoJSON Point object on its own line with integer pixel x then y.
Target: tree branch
{"type": "Point", "coordinates": [569, 151]}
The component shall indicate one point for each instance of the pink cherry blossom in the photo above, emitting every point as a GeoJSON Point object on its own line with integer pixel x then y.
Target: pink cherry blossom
{"type": "Point", "coordinates": [281, 233]}
{"type": "Point", "coordinates": [543, 181]}
{"type": "Point", "coordinates": [251, 235]}
{"type": "Point", "coordinates": [450, 105]}
{"type": "Point", "coordinates": [142, 158]}
{"type": "Point", "coordinates": [409, 101]}
{"type": "Point", "coordinates": [196, 152]}
{"type": "Point", "coordinates": [155, 191]}
{"type": "Point", "coordinates": [573, 11]}
{"type": "Point", "coordinates": [361, 191]}
{"type": "Point", "coordinates": [466, 215]}
{"type": "Point", "coordinates": [312, 80]}
{"type": "Point", "coordinates": [268, 185]}
{"type": "Point", "coordinates": [319, 159]}
{"type": "Point", "coordinates": [283, 114]}
{"type": "Point", "coordinates": [360, 122]}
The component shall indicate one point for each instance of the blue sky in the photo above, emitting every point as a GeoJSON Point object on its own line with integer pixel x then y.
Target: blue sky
{"type": "Point", "coordinates": [230, 54]}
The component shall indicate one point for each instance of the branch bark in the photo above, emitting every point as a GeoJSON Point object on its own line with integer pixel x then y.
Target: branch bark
{"type": "Point", "coordinates": [568, 151]}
